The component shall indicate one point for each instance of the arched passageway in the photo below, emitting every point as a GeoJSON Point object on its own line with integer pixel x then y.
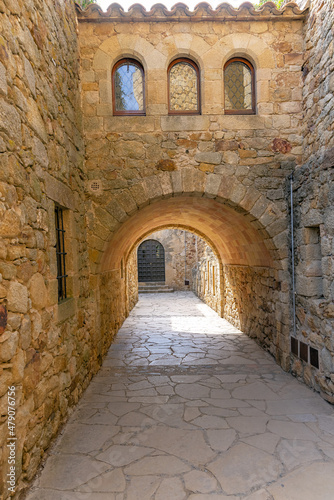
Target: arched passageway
{"type": "Point", "coordinates": [251, 265]}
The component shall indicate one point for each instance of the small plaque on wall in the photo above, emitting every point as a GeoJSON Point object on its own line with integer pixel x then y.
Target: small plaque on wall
{"type": "Point", "coordinates": [3, 318]}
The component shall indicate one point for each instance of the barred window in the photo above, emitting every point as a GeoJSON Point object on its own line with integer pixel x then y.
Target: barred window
{"type": "Point", "coordinates": [183, 87]}
{"type": "Point", "coordinates": [128, 88]}
{"type": "Point", "coordinates": [61, 254]}
{"type": "Point", "coordinates": [239, 87]}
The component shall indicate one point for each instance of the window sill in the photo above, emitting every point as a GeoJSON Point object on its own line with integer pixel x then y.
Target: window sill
{"type": "Point", "coordinates": [243, 113]}
{"type": "Point", "coordinates": [66, 309]}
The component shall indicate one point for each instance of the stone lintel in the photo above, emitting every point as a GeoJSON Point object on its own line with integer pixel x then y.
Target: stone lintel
{"type": "Point", "coordinates": [59, 192]}
{"type": "Point", "coordinates": [66, 309]}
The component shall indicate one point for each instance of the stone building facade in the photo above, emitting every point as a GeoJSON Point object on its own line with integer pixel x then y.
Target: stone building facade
{"type": "Point", "coordinates": [224, 177]}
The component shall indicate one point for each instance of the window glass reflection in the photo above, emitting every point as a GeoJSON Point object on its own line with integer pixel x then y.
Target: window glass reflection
{"type": "Point", "coordinates": [129, 94]}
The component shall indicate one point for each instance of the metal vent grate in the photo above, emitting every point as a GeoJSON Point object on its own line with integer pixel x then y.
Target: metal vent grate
{"type": "Point", "coordinates": [95, 186]}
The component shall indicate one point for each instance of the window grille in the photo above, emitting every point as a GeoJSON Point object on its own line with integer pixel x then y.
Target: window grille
{"type": "Point", "coordinates": [61, 254]}
{"type": "Point", "coordinates": [183, 87]}
{"type": "Point", "coordinates": [239, 87]}
{"type": "Point", "coordinates": [128, 88]}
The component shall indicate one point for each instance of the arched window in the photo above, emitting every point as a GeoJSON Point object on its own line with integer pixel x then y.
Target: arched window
{"type": "Point", "coordinates": [128, 88]}
{"type": "Point", "coordinates": [183, 88]}
{"type": "Point", "coordinates": [239, 87]}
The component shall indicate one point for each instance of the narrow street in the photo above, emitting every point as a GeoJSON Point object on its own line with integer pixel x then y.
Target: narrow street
{"type": "Point", "coordinates": [188, 407]}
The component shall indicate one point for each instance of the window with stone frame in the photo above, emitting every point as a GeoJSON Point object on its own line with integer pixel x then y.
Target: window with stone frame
{"type": "Point", "coordinates": [60, 253]}
{"type": "Point", "coordinates": [239, 87]}
{"type": "Point", "coordinates": [128, 88]}
{"type": "Point", "coordinates": [183, 88]}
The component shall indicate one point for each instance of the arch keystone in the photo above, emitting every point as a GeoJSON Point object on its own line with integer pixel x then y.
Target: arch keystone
{"type": "Point", "coordinates": [212, 184]}
{"type": "Point", "coordinates": [153, 187]}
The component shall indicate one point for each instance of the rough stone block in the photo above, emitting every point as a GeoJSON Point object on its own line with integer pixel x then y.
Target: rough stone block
{"type": "Point", "coordinates": [139, 194]}
{"type": "Point", "coordinates": [241, 122]}
{"type": "Point", "coordinates": [212, 184]}
{"type": "Point", "coordinates": [226, 145]}
{"type": "Point", "coordinates": [10, 122]}
{"type": "Point", "coordinates": [260, 207]}
{"type": "Point", "coordinates": [153, 187]}
{"type": "Point", "coordinates": [38, 291]}
{"type": "Point", "coordinates": [3, 79]}
{"type": "Point", "coordinates": [59, 192]}
{"type": "Point", "coordinates": [187, 180]}
{"type": "Point", "coordinates": [166, 184]}
{"type": "Point", "coordinates": [17, 298]}
{"type": "Point", "coordinates": [30, 76]}
{"type": "Point", "coordinates": [238, 192]}
{"type": "Point", "coordinates": [207, 157]}
{"type": "Point", "coordinates": [182, 123]}
{"type": "Point", "coordinates": [141, 124]}
{"type": "Point", "coordinates": [127, 202]}
{"type": "Point", "coordinates": [66, 309]}
{"type": "Point", "coordinates": [10, 226]}
{"type": "Point", "coordinates": [176, 181]}
{"type": "Point", "coordinates": [8, 346]}
{"type": "Point", "coordinates": [309, 286]}
{"type": "Point", "coordinates": [35, 120]}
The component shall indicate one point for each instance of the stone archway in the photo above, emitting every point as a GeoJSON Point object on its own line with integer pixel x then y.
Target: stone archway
{"type": "Point", "coordinates": [252, 266]}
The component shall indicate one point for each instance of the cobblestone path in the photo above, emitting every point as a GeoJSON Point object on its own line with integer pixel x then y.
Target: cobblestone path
{"type": "Point", "coordinates": [186, 406]}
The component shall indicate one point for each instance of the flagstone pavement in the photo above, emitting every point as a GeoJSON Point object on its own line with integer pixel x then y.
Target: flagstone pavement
{"type": "Point", "coordinates": [188, 407]}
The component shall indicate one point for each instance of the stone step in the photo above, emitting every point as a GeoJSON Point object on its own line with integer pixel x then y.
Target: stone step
{"type": "Point", "coordinates": [151, 283]}
{"type": "Point", "coordinates": [154, 287]}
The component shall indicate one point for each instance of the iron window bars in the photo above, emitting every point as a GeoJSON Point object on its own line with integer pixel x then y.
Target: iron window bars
{"type": "Point", "coordinates": [61, 254]}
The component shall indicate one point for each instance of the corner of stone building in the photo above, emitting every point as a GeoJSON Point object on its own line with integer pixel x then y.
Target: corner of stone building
{"type": "Point", "coordinates": [313, 191]}
{"type": "Point", "coordinates": [45, 346]}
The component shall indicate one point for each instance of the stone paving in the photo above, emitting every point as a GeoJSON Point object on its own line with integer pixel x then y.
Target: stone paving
{"type": "Point", "coordinates": [187, 406]}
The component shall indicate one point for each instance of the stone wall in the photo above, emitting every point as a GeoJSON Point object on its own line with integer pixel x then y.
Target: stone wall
{"type": "Point", "coordinates": [255, 317]}
{"type": "Point", "coordinates": [313, 190]}
{"type": "Point", "coordinates": [243, 295]}
{"type": "Point", "coordinates": [207, 282]}
{"type": "Point", "coordinates": [46, 350]}
{"type": "Point", "coordinates": [132, 280]}
{"type": "Point", "coordinates": [112, 308]}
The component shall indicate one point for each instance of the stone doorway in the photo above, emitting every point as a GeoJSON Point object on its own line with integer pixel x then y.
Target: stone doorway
{"type": "Point", "coordinates": [151, 262]}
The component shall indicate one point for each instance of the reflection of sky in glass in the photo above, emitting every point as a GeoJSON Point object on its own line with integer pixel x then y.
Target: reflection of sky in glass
{"type": "Point", "coordinates": [127, 97]}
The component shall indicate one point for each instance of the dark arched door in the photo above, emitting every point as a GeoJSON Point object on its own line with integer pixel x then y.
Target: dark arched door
{"type": "Point", "coordinates": [151, 261]}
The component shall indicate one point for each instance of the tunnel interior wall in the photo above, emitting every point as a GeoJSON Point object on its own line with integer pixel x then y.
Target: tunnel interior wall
{"type": "Point", "coordinates": [245, 296]}
{"type": "Point", "coordinates": [250, 304]}
{"type": "Point", "coordinates": [132, 280]}
{"type": "Point", "coordinates": [207, 278]}
{"type": "Point", "coordinates": [112, 307]}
